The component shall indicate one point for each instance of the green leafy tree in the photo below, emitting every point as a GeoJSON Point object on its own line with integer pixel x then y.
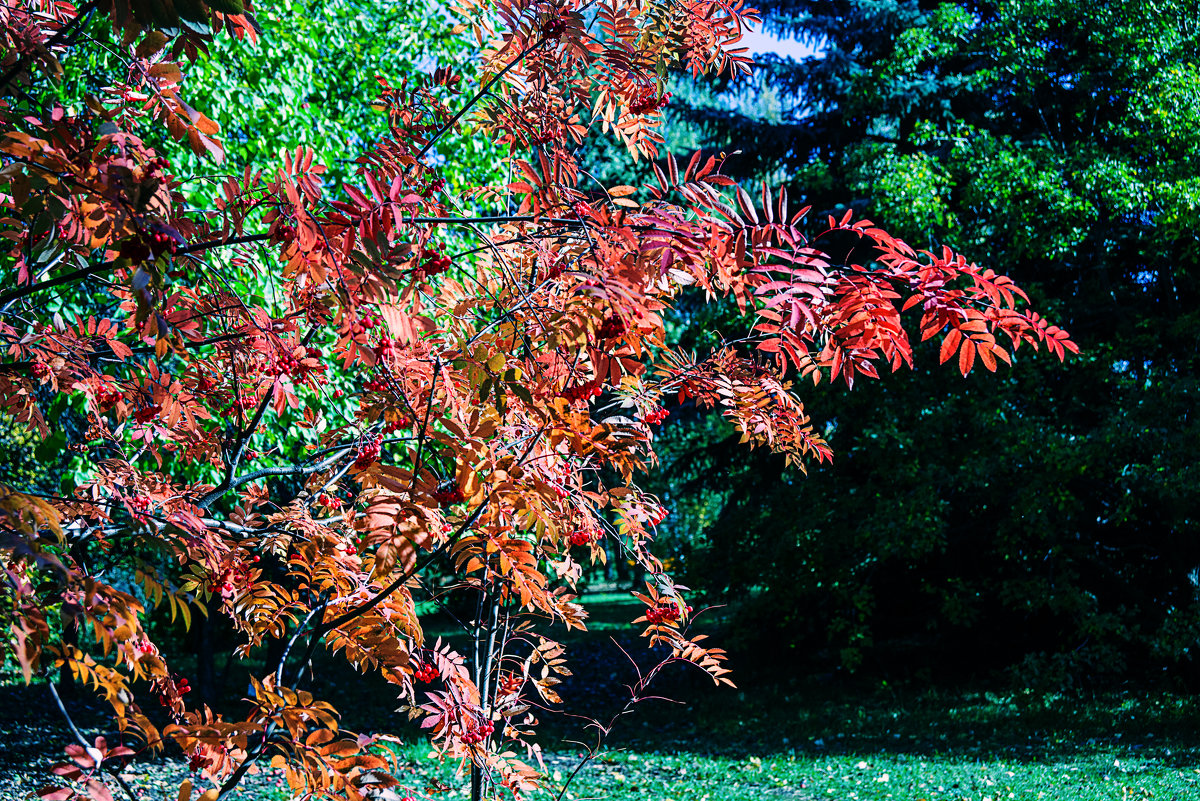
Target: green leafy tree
{"type": "Point", "coordinates": [1049, 137]}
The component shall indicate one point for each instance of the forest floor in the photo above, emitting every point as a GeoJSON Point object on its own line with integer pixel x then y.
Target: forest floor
{"type": "Point", "coordinates": [779, 738]}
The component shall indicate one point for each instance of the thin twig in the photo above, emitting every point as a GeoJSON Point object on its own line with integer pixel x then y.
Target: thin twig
{"type": "Point", "coordinates": [88, 747]}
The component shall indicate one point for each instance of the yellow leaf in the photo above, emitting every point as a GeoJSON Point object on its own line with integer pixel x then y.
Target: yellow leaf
{"type": "Point", "coordinates": [185, 790]}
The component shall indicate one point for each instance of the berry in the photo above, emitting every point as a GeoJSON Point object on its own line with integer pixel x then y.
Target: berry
{"type": "Point", "coordinates": [581, 537]}
{"type": "Point", "coordinates": [368, 452]}
{"type": "Point", "coordinates": [581, 392]}
{"type": "Point", "coordinates": [611, 328]}
{"type": "Point", "coordinates": [147, 413]}
{"type": "Point", "coordinates": [657, 416]}
{"type": "Point", "coordinates": [426, 673]}
{"type": "Point", "coordinates": [138, 506]}
{"type": "Point", "coordinates": [647, 100]}
{"type": "Point", "coordinates": [162, 242]}
{"type": "Point", "coordinates": [435, 186]}
{"type": "Point", "coordinates": [479, 733]}
{"type": "Point", "coordinates": [554, 27]}
{"type": "Point", "coordinates": [386, 349]}
{"type": "Point", "coordinates": [447, 494]}
{"type": "Point", "coordinates": [435, 263]}
{"type": "Point", "coordinates": [298, 364]}
{"type": "Point", "coordinates": [663, 613]}
{"type": "Point", "coordinates": [396, 425]}
{"type": "Point", "coordinates": [107, 395]}
{"type": "Point", "coordinates": [240, 405]}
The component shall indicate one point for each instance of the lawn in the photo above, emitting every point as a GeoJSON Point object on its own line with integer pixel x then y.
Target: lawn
{"type": "Point", "coordinates": [795, 737]}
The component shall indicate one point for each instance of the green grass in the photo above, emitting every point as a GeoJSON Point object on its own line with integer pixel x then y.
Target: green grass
{"type": "Point", "coordinates": [872, 746]}
{"type": "Point", "coordinates": [823, 738]}
{"type": "Point", "coordinates": [794, 737]}
{"type": "Point", "coordinates": [1102, 774]}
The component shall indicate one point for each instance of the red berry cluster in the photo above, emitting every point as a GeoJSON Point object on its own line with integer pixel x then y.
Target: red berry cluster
{"type": "Point", "coordinates": [664, 613]}
{"type": "Point", "coordinates": [582, 210]}
{"type": "Point", "coordinates": [448, 494]}
{"type": "Point", "coordinates": [375, 385]}
{"type": "Point", "coordinates": [396, 425]}
{"type": "Point", "coordinates": [144, 646]}
{"type": "Point", "coordinates": [225, 582]}
{"type": "Point", "coordinates": [479, 733]}
{"type": "Point", "coordinates": [138, 506]}
{"type": "Point", "coordinates": [157, 164]}
{"type": "Point", "coordinates": [554, 26]}
{"type": "Point", "coordinates": [426, 673]}
{"type": "Point", "coordinates": [435, 186]}
{"type": "Point", "coordinates": [171, 689]}
{"type": "Point", "coordinates": [611, 328]}
{"type": "Point", "coordinates": [582, 537]}
{"type": "Point", "coordinates": [146, 245]}
{"type": "Point", "coordinates": [285, 231]}
{"type": "Point", "coordinates": [648, 100]}
{"type": "Point", "coordinates": [386, 349]}
{"type": "Point", "coordinates": [293, 365]}
{"type": "Point", "coordinates": [107, 395]}
{"type": "Point", "coordinates": [368, 452]}
{"type": "Point", "coordinates": [240, 405]}
{"type": "Point", "coordinates": [162, 242]}
{"type": "Point", "coordinates": [435, 263]}
{"type": "Point", "coordinates": [657, 416]}
{"type": "Point", "coordinates": [147, 413]}
{"type": "Point", "coordinates": [360, 327]}
{"type": "Point", "coordinates": [581, 392]}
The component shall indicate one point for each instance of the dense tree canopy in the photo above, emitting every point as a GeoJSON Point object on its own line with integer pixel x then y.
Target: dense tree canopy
{"type": "Point", "coordinates": [1050, 138]}
{"type": "Point", "coordinates": [296, 403]}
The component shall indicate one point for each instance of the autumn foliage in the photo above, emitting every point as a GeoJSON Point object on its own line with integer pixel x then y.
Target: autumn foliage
{"type": "Point", "coordinates": [467, 382]}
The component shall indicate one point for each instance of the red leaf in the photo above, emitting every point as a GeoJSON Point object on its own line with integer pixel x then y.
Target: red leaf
{"type": "Point", "coordinates": [966, 356]}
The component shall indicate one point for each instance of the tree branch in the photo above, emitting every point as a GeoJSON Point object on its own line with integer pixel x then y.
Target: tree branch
{"type": "Point", "coordinates": [88, 747]}
{"type": "Point", "coordinates": [7, 298]}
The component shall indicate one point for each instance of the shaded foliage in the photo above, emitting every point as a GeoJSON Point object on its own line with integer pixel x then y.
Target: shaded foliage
{"type": "Point", "coordinates": [1050, 138]}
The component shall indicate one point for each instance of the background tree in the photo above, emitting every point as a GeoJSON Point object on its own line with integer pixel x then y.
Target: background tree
{"type": "Point", "coordinates": [1047, 137]}
{"type": "Point", "coordinates": [309, 405]}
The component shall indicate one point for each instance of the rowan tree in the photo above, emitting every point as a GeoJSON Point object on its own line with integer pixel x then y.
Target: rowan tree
{"type": "Point", "coordinates": [300, 402]}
